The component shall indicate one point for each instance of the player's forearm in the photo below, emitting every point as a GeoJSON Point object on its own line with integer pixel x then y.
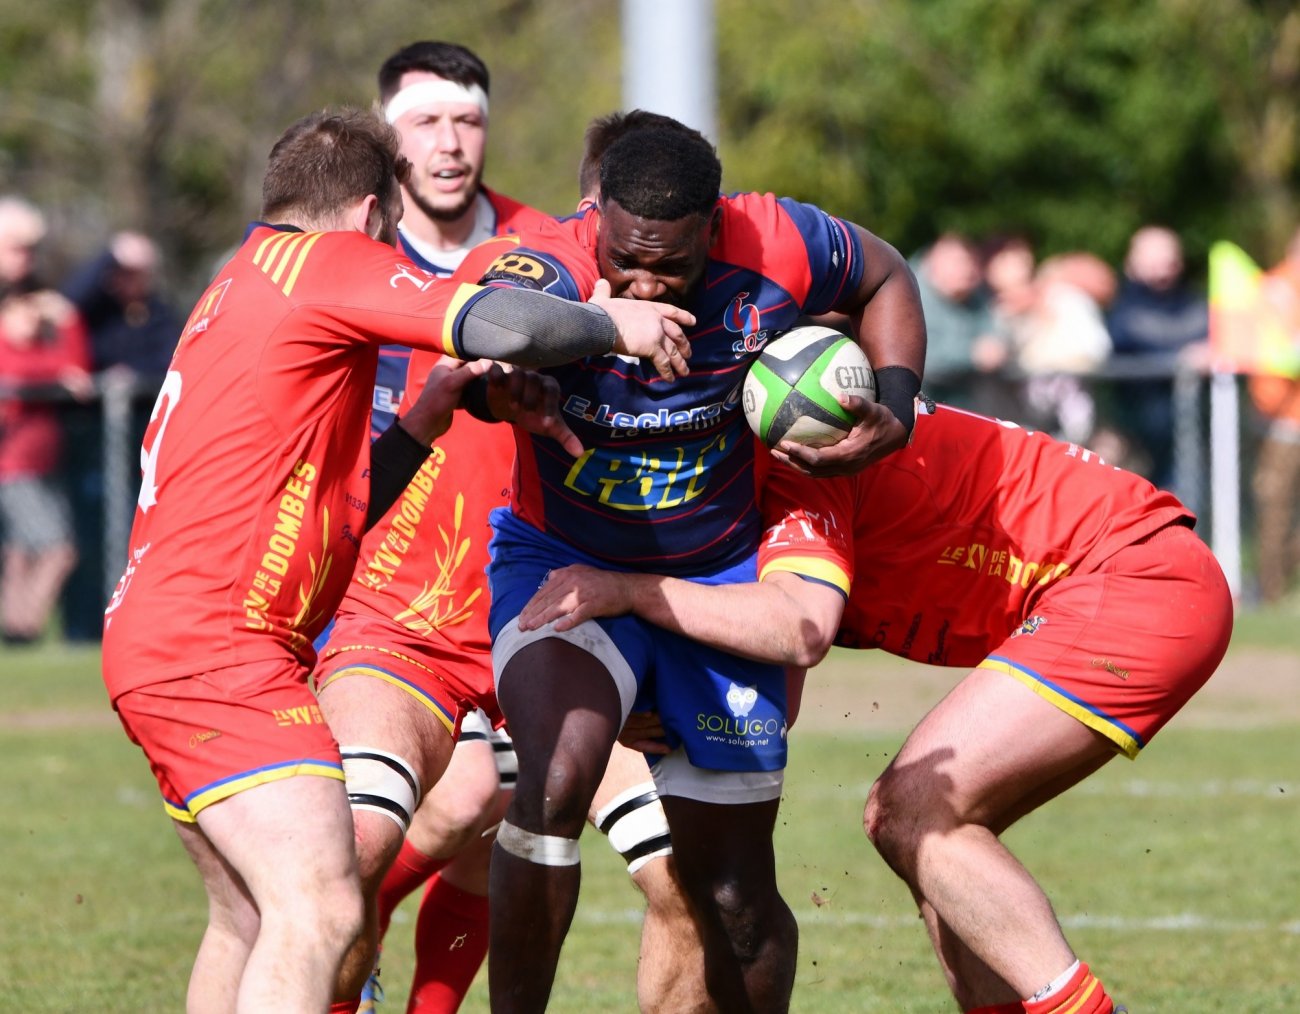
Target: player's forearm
{"type": "Point", "coordinates": [395, 457]}
{"type": "Point", "coordinates": [756, 620]}
{"type": "Point", "coordinates": [890, 325]}
{"type": "Point", "coordinates": [533, 329]}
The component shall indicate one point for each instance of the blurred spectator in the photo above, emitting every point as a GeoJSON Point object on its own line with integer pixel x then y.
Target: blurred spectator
{"type": "Point", "coordinates": [1052, 315]}
{"type": "Point", "coordinates": [1156, 314]}
{"type": "Point", "coordinates": [964, 348]}
{"type": "Point", "coordinates": [133, 331]}
{"type": "Point", "coordinates": [131, 325]}
{"type": "Point", "coordinates": [42, 347]}
{"type": "Point", "coordinates": [1276, 480]}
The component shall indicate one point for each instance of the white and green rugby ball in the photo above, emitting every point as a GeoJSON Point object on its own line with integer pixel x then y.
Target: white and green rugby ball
{"type": "Point", "coordinates": [791, 391]}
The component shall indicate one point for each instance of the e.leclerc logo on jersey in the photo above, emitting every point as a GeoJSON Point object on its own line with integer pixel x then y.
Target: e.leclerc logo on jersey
{"type": "Point", "coordinates": [662, 420]}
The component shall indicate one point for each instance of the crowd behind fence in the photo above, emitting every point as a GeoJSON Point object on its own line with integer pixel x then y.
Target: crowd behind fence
{"type": "Point", "coordinates": [106, 431]}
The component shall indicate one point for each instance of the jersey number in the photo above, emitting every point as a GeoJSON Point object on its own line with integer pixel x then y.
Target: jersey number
{"type": "Point", "coordinates": [164, 406]}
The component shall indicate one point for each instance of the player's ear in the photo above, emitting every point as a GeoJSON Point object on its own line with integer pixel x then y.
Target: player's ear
{"type": "Point", "coordinates": [368, 216]}
{"type": "Point", "coordinates": [715, 223]}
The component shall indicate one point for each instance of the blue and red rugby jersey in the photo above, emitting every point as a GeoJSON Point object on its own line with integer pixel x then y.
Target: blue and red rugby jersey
{"type": "Point", "coordinates": [667, 480]}
{"type": "Point", "coordinates": [510, 216]}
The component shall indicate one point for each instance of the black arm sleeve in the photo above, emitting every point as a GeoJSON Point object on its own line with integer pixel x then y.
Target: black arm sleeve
{"type": "Point", "coordinates": [532, 329]}
{"type": "Point", "coordinates": [395, 457]}
{"type": "Point", "coordinates": [896, 389]}
{"type": "Point", "coordinates": [474, 400]}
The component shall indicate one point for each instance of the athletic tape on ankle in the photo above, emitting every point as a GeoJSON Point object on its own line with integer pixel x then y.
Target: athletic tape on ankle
{"type": "Point", "coordinates": [542, 849]}
{"type": "Point", "coordinates": [380, 782]}
{"type": "Point", "coordinates": [635, 823]}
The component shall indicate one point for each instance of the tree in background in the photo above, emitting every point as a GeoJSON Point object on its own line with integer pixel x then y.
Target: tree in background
{"type": "Point", "coordinates": [1074, 121]}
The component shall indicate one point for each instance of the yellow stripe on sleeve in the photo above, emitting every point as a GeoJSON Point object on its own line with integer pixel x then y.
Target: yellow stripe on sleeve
{"type": "Point", "coordinates": [811, 567]}
{"type": "Point", "coordinates": [464, 293]}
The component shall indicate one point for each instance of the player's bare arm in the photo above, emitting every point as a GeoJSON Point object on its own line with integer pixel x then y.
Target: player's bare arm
{"type": "Point", "coordinates": [798, 618]}
{"type": "Point", "coordinates": [400, 451]}
{"type": "Point", "coordinates": [430, 416]}
{"type": "Point", "coordinates": [889, 325]}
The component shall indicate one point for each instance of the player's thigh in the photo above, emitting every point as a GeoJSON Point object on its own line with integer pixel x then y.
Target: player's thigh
{"type": "Point", "coordinates": [230, 906]}
{"type": "Point", "coordinates": [989, 746]}
{"type": "Point", "coordinates": [724, 851]}
{"type": "Point", "coordinates": [627, 770]}
{"type": "Point", "coordinates": [369, 712]}
{"type": "Point", "coordinates": [1073, 685]}
{"type": "Point", "coordinates": [289, 841]}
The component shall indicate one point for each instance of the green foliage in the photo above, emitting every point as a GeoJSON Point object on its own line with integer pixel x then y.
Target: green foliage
{"type": "Point", "coordinates": [1075, 120]}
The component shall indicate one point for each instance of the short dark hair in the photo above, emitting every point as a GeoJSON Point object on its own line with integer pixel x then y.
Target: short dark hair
{"type": "Point", "coordinates": [446, 59]}
{"type": "Point", "coordinates": [329, 160]}
{"type": "Point", "coordinates": [604, 131]}
{"type": "Point", "coordinates": [661, 173]}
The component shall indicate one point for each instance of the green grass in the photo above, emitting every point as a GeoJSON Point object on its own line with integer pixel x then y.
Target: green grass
{"type": "Point", "coordinates": [1176, 877]}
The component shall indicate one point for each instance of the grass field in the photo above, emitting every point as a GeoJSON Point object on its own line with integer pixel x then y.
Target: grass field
{"type": "Point", "coordinates": [1176, 877]}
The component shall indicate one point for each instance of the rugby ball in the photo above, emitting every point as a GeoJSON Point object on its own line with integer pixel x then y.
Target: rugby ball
{"type": "Point", "coordinates": [791, 390]}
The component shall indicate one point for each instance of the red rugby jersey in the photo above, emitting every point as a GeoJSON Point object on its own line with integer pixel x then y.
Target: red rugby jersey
{"type": "Point", "coordinates": [943, 548]}
{"type": "Point", "coordinates": [423, 566]}
{"type": "Point", "coordinates": [255, 489]}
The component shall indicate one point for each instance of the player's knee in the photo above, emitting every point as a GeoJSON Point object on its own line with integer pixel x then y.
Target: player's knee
{"type": "Point", "coordinates": [558, 801]}
{"type": "Point", "coordinates": [742, 913]}
{"type": "Point", "coordinates": [331, 913]}
{"type": "Point", "coordinates": [236, 919]}
{"type": "Point", "coordinates": [894, 821]}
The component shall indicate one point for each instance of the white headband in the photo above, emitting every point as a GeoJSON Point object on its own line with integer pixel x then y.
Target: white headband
{"type": "Point", "coordinates": [426, 93]}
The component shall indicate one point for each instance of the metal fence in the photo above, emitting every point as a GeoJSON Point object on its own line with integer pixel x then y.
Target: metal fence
{"type": "Point", "coordinates": [1211, 439]}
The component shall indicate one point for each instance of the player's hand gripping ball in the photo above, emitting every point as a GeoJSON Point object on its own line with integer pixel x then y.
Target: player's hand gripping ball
{"type": "Point", "coordinates": [791, 391]}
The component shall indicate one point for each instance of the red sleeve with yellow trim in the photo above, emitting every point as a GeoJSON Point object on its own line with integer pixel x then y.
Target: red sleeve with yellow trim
{"type": "Point", "coordinates": [809, 527]}
{"type": "Point", "coordinates": [358, 288]}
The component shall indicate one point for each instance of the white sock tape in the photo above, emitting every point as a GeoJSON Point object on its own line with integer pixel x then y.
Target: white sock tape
{"type": "Point", "coordinates": [543, 849]}
{"type": "Point", "coordinates": [428, 93]}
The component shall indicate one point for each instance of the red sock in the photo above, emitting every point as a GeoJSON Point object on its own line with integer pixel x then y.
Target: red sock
{"type": "Point", "coordinates": [1083, 994]}
{"type": "Point", "coordinates": [410, 869]}
{"type": "Point", "coordinates": [451, 941]}
{"type": "Point", "coordinates": [345, 1006]}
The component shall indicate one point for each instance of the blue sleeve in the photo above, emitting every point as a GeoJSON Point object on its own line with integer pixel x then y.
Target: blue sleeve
{"type": "Point", "coordinates": [835, 258]}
